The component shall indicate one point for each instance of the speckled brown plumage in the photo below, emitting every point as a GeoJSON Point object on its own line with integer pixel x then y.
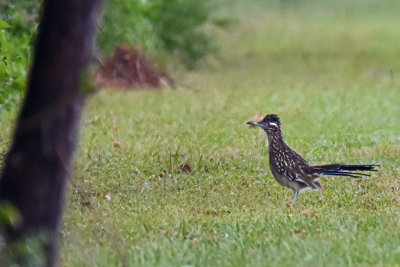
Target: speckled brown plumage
{"type": "Point", "coordinates": [293, 171]}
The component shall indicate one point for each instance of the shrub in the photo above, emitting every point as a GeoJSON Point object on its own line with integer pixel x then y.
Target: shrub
{"type": "Point", "coordinates": [174, 26]}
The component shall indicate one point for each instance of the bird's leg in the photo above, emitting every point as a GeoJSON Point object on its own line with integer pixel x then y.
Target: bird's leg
{"type": "Point", "coordinates": [296, 193]}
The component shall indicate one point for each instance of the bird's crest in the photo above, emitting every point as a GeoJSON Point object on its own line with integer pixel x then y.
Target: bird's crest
{"type": "Point", "coordinates": [272, 118]}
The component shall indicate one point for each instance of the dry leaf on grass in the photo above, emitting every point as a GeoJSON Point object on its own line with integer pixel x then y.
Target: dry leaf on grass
{"type": "Point", "coordinates": [185, 168]}
{"type": "Point", "coordinates": [117, 143]}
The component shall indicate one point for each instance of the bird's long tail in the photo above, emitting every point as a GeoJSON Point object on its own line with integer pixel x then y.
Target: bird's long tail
{"type": "Point", "coordinates": [355, 171]}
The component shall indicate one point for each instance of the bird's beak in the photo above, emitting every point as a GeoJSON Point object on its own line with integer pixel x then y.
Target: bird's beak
{"type": "Point", "coordinates": [255, 123]}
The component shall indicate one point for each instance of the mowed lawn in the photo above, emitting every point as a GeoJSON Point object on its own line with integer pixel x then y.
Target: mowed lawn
{"type": "Point", "coordinates": [332, 73]}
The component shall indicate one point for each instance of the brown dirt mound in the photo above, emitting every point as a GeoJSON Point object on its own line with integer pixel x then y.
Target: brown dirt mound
{"type": "Point", "coordinates": [128, 68]}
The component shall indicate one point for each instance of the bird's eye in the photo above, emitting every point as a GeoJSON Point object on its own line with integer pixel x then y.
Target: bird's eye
{"type": "Point", "coordinates": [272, 124]}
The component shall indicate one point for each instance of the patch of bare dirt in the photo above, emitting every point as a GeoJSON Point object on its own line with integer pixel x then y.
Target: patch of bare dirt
{"type": "Point", "coordinates": [129, 68]}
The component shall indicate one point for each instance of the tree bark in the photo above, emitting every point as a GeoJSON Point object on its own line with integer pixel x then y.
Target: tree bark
{"type": "Point", "coordinates": [37, 165]}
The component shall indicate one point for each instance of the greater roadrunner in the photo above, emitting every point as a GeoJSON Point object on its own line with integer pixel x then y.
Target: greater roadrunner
{"type": "Point", "coordinates": [294, 172]}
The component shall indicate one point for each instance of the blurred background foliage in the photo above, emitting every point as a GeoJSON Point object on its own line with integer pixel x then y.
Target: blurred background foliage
{"type": "Point", "coordinates": [173, 28]}
{"type": "Point", "coordinates": [18, 23]}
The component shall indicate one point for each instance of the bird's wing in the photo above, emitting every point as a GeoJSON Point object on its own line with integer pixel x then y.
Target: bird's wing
{"type": "Point", "coordinates": [291, 165]}
{"type": "Point", "coordinates": [301, 169]}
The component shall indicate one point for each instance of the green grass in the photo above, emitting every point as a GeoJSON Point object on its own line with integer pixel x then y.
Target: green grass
{"type": "Point", "coordinates": [330, 70]}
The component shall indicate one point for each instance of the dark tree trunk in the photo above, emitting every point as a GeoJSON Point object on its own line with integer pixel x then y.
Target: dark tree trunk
{"type": "Point", "coordinates": [37, 165]}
